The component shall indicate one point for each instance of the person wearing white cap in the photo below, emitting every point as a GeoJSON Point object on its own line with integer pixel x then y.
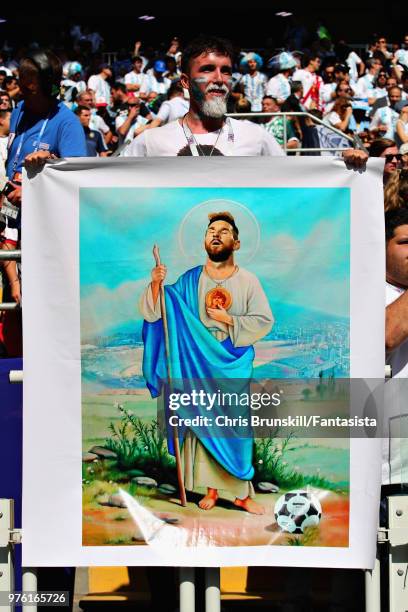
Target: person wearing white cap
{"type": "Point", "coordinates": [252, 84]}
{"type": "Point", "coordinates": [72, 85]}
{"type": "Point", "coordinates": [155, 82]}
{"type": "Point", "coordinates": [279, 86]}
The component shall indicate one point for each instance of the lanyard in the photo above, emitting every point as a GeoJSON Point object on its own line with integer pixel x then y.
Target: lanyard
{"type": "Point", "coordinates": [192, 143]}
{"type": "Point", "coordinates": [20, 144]}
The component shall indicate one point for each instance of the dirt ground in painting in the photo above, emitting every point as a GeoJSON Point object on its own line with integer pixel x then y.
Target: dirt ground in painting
{"type": "Point", "coordinates": [224, 525]}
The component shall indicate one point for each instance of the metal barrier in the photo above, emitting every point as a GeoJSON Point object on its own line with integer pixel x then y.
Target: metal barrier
{"type": "Point", "coordinates": [354, 140]}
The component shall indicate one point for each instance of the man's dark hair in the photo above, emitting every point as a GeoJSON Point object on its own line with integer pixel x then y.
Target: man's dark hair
{"type": "Point", "coordinates": [175, 89]}
{"type": "Point", "coordinates": [205, 44]}
{"type": "Point", "coordinates": [136, 58]}
{"type": "Point", "coordinates": [296, 86]}
{"type": "Point", "coordinates": [3, 73]}
{"type": "Point", "coordinates": [308, 57]}
{"type": "Point", "coordinates": [80, 108]}
{"type": "Point", "coordinates": [393, 219]}
{"type": "Point", "coordinates": [341, 68]}
{"type": "Point", "coordinates": [4, 113]}
{"type": "Point", "coordinates": [120, 86]}
{"type": "Point", "coordinates": [47, 67]}
{"type": "Point", "coordinates": [9, 79]}
{"type": "Point", "coordinates": [379, 145]}
{"type": "Point", "coordinates": [224, 216]}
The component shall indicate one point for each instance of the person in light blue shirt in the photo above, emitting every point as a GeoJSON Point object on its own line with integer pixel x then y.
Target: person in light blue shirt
{"type": "Point", "coordinates": [253, 82]}
{"type": "Point", "coordinates": [278, 87]}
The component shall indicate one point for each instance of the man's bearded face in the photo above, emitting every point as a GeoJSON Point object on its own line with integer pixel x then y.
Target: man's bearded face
{"type": "Point", "coordinates": [210, 83]}
{"type": "Point", "coordinates": [219, 241]}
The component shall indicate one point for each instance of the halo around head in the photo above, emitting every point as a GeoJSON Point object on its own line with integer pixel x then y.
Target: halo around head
{"type": "Point", "coordinates": [193, 225]}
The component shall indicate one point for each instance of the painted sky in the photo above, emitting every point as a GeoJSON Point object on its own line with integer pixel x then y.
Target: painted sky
{"type": "Point", "coordinates": [295, 240]}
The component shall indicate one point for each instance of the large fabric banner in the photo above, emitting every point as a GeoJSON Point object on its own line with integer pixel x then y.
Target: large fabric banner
{"type": "Point", "coordinates": [192, 331]}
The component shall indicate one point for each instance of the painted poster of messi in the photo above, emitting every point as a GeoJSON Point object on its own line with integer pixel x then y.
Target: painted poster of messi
{"type": "Point", "coordinates": [207, 316]}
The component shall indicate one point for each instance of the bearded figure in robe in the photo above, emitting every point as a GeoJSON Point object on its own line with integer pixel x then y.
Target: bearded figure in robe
{"type": "Point", "coordinates": [216, 312]}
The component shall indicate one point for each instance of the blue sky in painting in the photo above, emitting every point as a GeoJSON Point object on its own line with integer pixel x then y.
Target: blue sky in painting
{"type": "Point", "coordinates": [297, 241]}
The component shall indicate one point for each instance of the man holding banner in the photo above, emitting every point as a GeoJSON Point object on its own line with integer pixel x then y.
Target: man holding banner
{"type": "Point", "coordinates": [204, 130]}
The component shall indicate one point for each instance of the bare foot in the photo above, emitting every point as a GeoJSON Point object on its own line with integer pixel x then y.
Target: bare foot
{"type": "Point", "coordinates": [209, 500]}
{"type": "Point", "coordinates": [249, 505]}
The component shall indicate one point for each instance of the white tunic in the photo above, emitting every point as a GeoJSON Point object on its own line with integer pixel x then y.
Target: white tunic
{"type": "Point", "coordinates": [253, 320]}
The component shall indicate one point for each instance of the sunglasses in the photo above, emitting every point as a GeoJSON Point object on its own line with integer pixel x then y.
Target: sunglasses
{"type": "Point", "coordinates": [391, 156]}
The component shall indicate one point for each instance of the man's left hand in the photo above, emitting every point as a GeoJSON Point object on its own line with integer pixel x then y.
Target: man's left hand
{"type": "Point", "coordinates": [36, 160]}
{"type": "Point", "coordinates": [220, 315]}
{"type": "Point", "coordinates": [355, 158]}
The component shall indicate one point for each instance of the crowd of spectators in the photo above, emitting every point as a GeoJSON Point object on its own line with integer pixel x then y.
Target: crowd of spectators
{"type": "Point", "coordinates": [363, 92]}
{"type": "Point", "coordinates": [351, 95]}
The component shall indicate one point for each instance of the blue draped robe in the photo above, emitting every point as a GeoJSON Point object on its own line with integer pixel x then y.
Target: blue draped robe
{"type": "Point", "coordinates": [196, 354]}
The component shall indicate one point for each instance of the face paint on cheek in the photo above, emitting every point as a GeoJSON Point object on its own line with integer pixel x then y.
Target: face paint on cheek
{"type": "Point", "coordinates": [195, 85]}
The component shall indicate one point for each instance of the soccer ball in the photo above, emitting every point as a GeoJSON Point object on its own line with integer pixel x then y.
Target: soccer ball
{"type": "Point", "coordinates": [296, 510]}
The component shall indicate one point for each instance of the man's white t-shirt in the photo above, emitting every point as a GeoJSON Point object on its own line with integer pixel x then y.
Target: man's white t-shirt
{"type": "Point", "coordinates": [395, 447]}
{"type": "Point", "coordinates": [97, 123]}
{"type": "Point", "coordinates": [308, 79]}
{"type": "Point", "coordinates": [352, 61]}
{"type": "Point", "coordinates": [130, 134]}
{"type": "Point", "coordinates": [278, 87]}
{"type": "Point", "coordinates": [101, 88]}
{"type": "Point", "coordinates": [150, 83]}
{"type": "Point", "coordinates": [170, 140]}
{"type": "Point", "coordinates": [365, 86]}
{"type": "Point", "coordinates": [173, 109]}
{"type": "Point", "coordinates": [134, 78]}
{"type": "Point", "coordinates": [401, 56]}
{"type": "Point", "coordinates": [385, 116]}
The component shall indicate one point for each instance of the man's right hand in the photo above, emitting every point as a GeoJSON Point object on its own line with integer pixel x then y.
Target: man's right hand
{"type": "Point", "coordinates": [159, 274]}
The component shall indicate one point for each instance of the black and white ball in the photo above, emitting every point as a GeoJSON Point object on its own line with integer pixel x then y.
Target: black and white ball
{"type": "Point", "coordinates": [296, 510]}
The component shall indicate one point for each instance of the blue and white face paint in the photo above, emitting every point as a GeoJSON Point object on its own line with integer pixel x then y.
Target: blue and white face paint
{"type": "Point", "coordinates": [214, 107]}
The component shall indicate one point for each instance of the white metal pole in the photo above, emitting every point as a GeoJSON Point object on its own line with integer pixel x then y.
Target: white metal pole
{"type": "Point", "coordinates": [398, 552]}
{"type": "Point", "coordinates": [187, 589]}
{"type": "Point", "coordinates": [6, 551]}
{"type": "Point", "coordinates": [373, 589]}
{"type": "Point", "coordinates": [212, 589]}
{"type": "Point", "coordinates": [29, 584]}
{"type": "Point", "coordinates": [16, 376]}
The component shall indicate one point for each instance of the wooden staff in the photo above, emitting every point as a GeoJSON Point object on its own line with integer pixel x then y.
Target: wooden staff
{"type": "Point", "coordinates": [176, 443]}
